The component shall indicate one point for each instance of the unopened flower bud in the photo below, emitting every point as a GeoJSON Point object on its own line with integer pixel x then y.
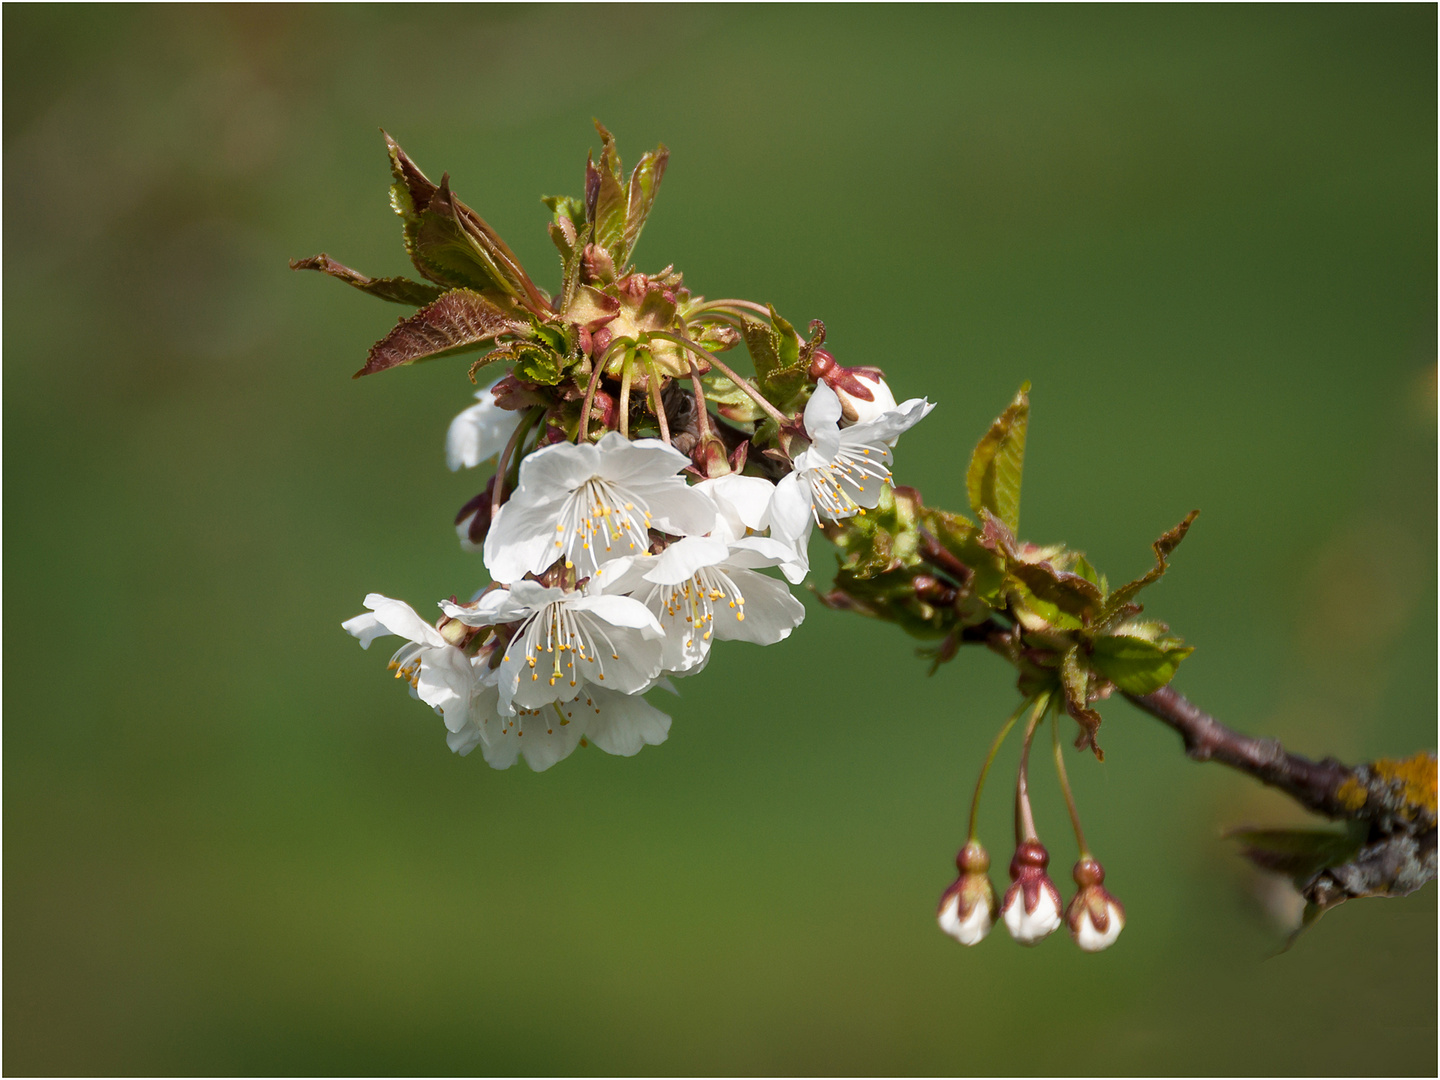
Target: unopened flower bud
{"type": "Point", "coordinates": [1031, 908]}
{"type": "Point", "coordinates": [1094, 916]}
{"type": "Point", "coordinates": [967, 908]}
{"type": "Point", "coordinates": [472, 523]}
{"type": "Point", "coordinates": [453, 630]}
{"type": "Point", "coordinates": [710, 457]}
{"type": "Point", "coordinates": [862, 391]}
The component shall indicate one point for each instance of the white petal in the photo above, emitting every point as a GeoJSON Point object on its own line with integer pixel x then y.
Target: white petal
{"type": "Point", "coordinates": [1092, 940]}
{"type": "Point", "coordinates": [970, 930]}
{"type": "Point", "coordinates": [753, 552]}
{"type": "Point", "coordinates": [365, 627]}
{"type": "Point", "coordinates": [621, 611]}
{"type": "Point", "coordinates": [790, 509]}
{"type": "Point", "coordinates": [889, 426]}
{"type": "Point", "coordinates": [630, 462]}
{"type": "Point", "coordinates": [1029, 927]}
{"type": "Point", "coordinates": [623, 723]}
{"type": "Point", "coordinates": [860, 410]}
{"type": "Point", "coordinates": [447, 682]}
{"type": "Point", "coordinates": [464, 740]}
{"type": "Point", "coordinates": [770, 611]}
{"type": "Point", "coordinates": [399, 618]}
{"type": "Point", "coordinates": [621, 577]}
{"type": "Point", "coordinates": [683, 652]}
{"type": "Point", "coordinates": [822, 411]}
{"type": "Point", "coordinates": [480, 432]}
{"type": "Point", "coordinates": [676, 507]}
{"type": "Point", "coordinates": [681, 559]}
{"type": "Point", "coordinates": [543, 737]}
{"type": "Point", "coordinates": [742, 501]}
{"type": "Point", "coordinates": [552, 472]}
{"type": "Point", "coordinates": [522, 538]}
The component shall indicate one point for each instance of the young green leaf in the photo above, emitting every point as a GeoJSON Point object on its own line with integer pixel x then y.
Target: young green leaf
{"type": "Point", "coordinates": [1071, 593]}
{"type": "Point", "coordinates": [993, 479]}
{"type": "Point", "coordinates": [458, 322]}
{"type": "Point", "coordinates": [397, 290]}
{"type": "Point", "coordinates": [606, 198]}
{"type": "Point", "coordinates": [1135, 665]}
{"type": "Point", "coordinates": [760, 340]}
{"type": "Point", "coordinates": [644, 186]}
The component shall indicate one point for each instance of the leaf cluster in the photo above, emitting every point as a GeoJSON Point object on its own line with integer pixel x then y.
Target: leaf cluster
{"type": "Point", "coordinates": [1045, 608]}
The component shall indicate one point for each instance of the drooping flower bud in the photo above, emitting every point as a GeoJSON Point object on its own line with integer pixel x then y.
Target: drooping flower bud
{"type": "Point", "coordinates": [1094, 916]}
{"type": "Point", "coordinates": [967, 908]}
{"type": "Point", "coordinates": [1031, 908]}
{"type": "Point", "coordinates": [863, 393]}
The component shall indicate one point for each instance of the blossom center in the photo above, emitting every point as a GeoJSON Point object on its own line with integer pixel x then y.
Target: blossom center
{"type": "Point", "coordinates": [599, 515]}
{"type": "Point", "coordinates": [694, 600]}
{"type": "Point", "coordinates": [833, 482]}
{"type": "Point", "coordinates": [406, 663]}
{"type": "Point", "coordinates": [564, 636]}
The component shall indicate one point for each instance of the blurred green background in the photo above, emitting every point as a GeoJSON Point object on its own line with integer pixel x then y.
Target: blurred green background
{"type": "Point", "coordinates": [231, 845]}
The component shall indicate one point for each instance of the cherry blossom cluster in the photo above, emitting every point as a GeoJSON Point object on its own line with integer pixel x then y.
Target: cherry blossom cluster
{"type": "Point", "coordinates": [616, 563]}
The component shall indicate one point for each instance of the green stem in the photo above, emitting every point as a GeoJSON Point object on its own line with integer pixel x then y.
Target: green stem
{"type": "Point", "coordinates": [656, 402]}
{"type": "Point", "coordinates": [1069, 795]}
{"type": "Point", "coordinates": [990, 760]}
{"type": "Point", "coordinates": [741, 305]}
{"type": "Point", "coordinates": [744, 384]}
{"type": "Point", "coordinates": [590, 388]}
{"type": "Point", "coordinates": [503, 465]}
{"type": "Point", "coordinates": [625, 375]}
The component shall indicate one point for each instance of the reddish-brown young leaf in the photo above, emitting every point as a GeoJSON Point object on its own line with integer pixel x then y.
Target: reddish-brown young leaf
{"type": "Point", "coordinates": [1118, 602]}
{"type": "Point", "coordinates": [395, 289]}
{"type": "Point", "coordinates": [457, 322]}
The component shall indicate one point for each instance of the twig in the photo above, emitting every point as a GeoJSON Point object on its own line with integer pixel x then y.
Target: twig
{"type": "Point", "coordinates": [1316, 785]}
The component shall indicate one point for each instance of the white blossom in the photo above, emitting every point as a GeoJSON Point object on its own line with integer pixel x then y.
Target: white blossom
{"type": "Point", "coordinates": [743, 503]}
{"type": "Point", "coordinates": [703, 589]}
{"type": "Point", "coordinates": [590, 503]}
{"type": "Point", "coordinates": [566, 640]}
{"type": "Point", "coordinates": [439, 674]}
{"type": "Point", "coordinates": [480, 432]}
{"type": "Point", "coordinates": [843, 471]}
{"type": "Point", "coordinates": [614, 722]}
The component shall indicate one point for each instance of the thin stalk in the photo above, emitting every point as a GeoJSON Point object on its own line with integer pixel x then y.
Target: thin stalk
{"type": "Point", "coordinates": [702, 413]}
{"type": "Point", "coordinates": [658, 404]}
{"type": "Point", "coordinates": [744, 384]}
{"type": "Point", "coordinates": [990, 760]}
{"type": "Point", "coordinates": [1024, 817]}
{"type": "Point", "coordinates": [743, 305]}
{"type": "Point", "coordinates": [590, 389]}
{"type": "Point", "coordinates": [1069, 795]}
{"type": "Point", "coordinates": [625, 375]}
{"type": "Point", "coordinates": [503, 465]}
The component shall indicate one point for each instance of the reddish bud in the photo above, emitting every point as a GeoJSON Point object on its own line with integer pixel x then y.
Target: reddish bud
{"type": "Point", "coordinates": [967, 908]}
{"type": "Point", "coordinates": [1031, 908]}
{"type": "Point", "coordinates": [1094, 916]}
